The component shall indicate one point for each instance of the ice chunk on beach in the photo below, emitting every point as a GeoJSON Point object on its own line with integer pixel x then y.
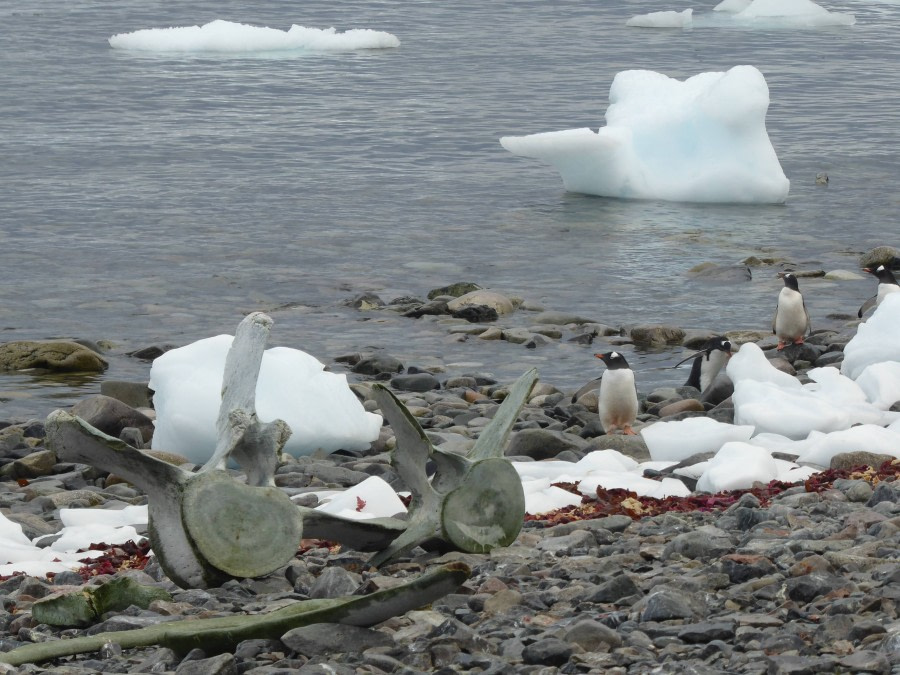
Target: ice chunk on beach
{"type": "Point", "coordinates": [737, 466]}
{"type": "Point", "coordinates": [881, 383]}
{"type": "Point", "coordinates": [821, 448]}
{"type": "Point", "coordinates": [372, 498]}
{"type": "Point", "coordinates": [875, 340]}
{"type": "Point", "coordinates": [662, 20]}
{"type": "Point", "coordinates": [700, 140]}
{"type": "Point", "coordinates": [750, 363]}
{"type": "Point", "coordinates": [229, 37]}
{"type": "Point", "coordinates": [676, 441]}
{"type": "Point", "coordinates": [321, 409]}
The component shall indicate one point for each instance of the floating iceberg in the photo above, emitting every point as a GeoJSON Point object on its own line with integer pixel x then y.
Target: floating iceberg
{"type": "Point", "coordinates": [229, 37]}
{"type": "Point", "coordinates": [662, 20]}
{"type": "Point", "coordinates": [789, 13]}
{"type": "Point", "coordinates": [875, 340]}
{"type": "Point", "coordinates": [322, 411]}
{"type": "Point", "coordinates": [700, 140]}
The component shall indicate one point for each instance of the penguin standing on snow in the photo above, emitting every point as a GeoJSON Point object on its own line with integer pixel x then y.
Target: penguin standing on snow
{"type": "Point", "coordinates": [791, 320]}
{"type": "Point", "coordinates": [707, 362]}
{"type": "Point", "coordinates": [887, 284]}
{"type": "Point", "coordinates": [618, 403]}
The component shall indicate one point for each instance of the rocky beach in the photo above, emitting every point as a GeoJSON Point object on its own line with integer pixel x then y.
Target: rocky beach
{"type": "Point", "coordinates": [778, 578]}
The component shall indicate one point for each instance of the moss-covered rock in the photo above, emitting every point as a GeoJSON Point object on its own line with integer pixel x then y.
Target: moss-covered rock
{"type": "Point", "coordinates": [57, 355]}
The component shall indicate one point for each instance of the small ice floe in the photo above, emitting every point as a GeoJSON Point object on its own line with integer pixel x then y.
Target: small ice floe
{"type": "Point", "coordinates": [229, 37]}
{"type": "Point", "coordinates": [703, 139]}
{"type": "Point", "coordinates": [662, 20]}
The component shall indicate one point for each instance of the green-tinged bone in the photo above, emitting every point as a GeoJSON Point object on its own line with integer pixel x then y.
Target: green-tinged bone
{"type": "Point", "coordinates": [492, 441]}
{"type": "Point", "coordinates": [223, 634]}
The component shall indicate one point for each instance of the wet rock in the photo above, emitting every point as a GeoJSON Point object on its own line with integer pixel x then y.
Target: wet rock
{"type": "Point", "coordinates": [111, 416]}
{"type": "Point", "coordinates": [496, 301]}
{"type": "Point", "coordinates": [720, 274]}
{"type": "Point", "coordinates": [419, 382]}
{"type": "Point", "coordinates": [543, 444]}
{"type": "Point", "coordinates": [378, 364]}
{"type": "Point", "coordinates": [880, 255]}
{"type": "Point", "coordinates": [334, 582]}
{"type": "Point", "coordinates": [476, 313]}
{"type": "Point", "coordinates": [56, 355]}
{"type": "Point", "coordinates": [133, 394]}
{"type": "Point", "coordinates": [851, 460]}
{"type": "Point", "coordinates": [657, 335]}
{"type": "Point", "coordinates": [454, 290]}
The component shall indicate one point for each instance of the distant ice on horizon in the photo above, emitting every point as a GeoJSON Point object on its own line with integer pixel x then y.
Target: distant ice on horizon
{"type": "Point", "coordinates": [749, 13]}
{"type": "Point", "coordinates": [703, 139]}
{"type": "Point", "coordinates": [221, 36]}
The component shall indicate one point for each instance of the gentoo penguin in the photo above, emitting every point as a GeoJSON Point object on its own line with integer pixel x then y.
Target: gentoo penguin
{"type": "Point", "coordinates": [618, 403]}
{"type": "Point", "coordinates": [791, 320]}
{"type": "Point", "coordinates": [886, 284]}
{"type": "Point", "coordinates": [707, 362]}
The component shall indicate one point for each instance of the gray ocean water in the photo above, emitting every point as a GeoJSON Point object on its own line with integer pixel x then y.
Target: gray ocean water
{"type": "Point", "coordinates": [152, 199]}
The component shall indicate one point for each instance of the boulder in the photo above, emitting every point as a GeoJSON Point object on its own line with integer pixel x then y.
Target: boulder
{"type": "Point", "coordinates": [110, 416]}
{"type": "Point", "coordinates": [454, 290]}
{"type": "Point", "coordinates": [497, 301]}
{"type": "Point", "coordinates": [657, 334]}
{"type": "Point", "coordinates": [57, 355]}
{"type": "Point", "coordinates": [880, 255]}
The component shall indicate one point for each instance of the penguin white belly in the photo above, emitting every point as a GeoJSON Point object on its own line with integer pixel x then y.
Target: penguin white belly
{"type": "Point", "coordinates": [618, 404]}
{"type": "Point", "coordinates": [790, 319]}
{"type": "Point", "coordinates": [711, 368]}
{"type": "Point", "coordinates": [885, 290]}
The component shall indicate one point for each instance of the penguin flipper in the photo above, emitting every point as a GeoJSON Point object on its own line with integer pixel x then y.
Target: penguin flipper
{"type": "Point", "coordinates": [590, 386]}
{"type": "Point", "coordinates": [867, 305]}
{"type": "Point", "coordinates": [808, 324]}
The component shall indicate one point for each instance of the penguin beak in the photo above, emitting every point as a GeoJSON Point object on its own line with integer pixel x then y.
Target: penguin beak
{"type": "Point", "coordinates": [599, 356]}
{"type": "Point", "coordinates": [867, 269]}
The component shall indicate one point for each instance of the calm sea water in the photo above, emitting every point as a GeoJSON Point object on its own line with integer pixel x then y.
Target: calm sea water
{"type": "Point", "coordinates": [149, 199]}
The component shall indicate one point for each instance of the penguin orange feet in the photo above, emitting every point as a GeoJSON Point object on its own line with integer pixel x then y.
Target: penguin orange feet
{"type": "Point", "coordinates": [799, 341]}
{"type": "Point", "coordinates": [628, 431]}
{"type": "Point", "coordinates": [780, 345]}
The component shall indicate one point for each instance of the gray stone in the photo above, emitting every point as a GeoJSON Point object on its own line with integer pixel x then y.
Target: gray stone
{"type": "Point", "coordinates": [630, 446]}
{"type": "Point", "coordinates": [560, 318]}
{"type": "Point", "coordinates": [134, 394]}
{"type": "Point", "coordinates": [543, 444]}
{"type": "Point", "coordinates": [328, 638]}
{"type": "Point", "coordinates": [657, 335]}
{"type": "Point", "coordinates": [547, 652]}
{"type": "Point", "coordinates": [593, 636]}
{"type": "Point", "coordinates": [707, 632]}
{"type": "Point", "coordinates": [496, 301]}
{"type": "Point", "coordinates": [223, 664]}
{"type": "Point", "coordinates": [851, 460]}
{"type": "Point", "coordinates": [703, 543]}
{"type": "Point", "coordinates": [419, 382]}
{"type": "Point", "coordinates": [334, 582]}
{"type": "Point", "coordinates": [613, 590]}
{"type": "Point", "coordinates": [666, 603]}
{"type": "Point", "coordinates": [718, 274]}
{"type": "Point", "coordinates": [866, 661]}
{"type": "Point", "coordinates": [39, 463]}
{"type": "Point", "coordinates": [111, 416]}
{"type": "Point", "coordinates": [378, 364]}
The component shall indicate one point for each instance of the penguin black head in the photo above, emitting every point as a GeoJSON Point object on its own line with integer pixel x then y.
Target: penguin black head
{"type": "Point", "coordinates": [613, 360]}
{"type": "Point", "coordinates": [790, 281]}
{"type": "Point", "coordinates": [717, 342]}
{"type": "Point", "coordinates": [884, 274]}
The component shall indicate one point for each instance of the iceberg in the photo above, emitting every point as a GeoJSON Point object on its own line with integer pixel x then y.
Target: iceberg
{"type": "Point", "coordinates": [228, 37]}
{"type": "Point", "coordinates": [703, 139]}
{"type": "Point", "coordinates": [662, 20]}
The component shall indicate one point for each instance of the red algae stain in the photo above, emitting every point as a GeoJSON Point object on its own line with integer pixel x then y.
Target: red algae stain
{"type": "Point", "coordinates": [618, 501]}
